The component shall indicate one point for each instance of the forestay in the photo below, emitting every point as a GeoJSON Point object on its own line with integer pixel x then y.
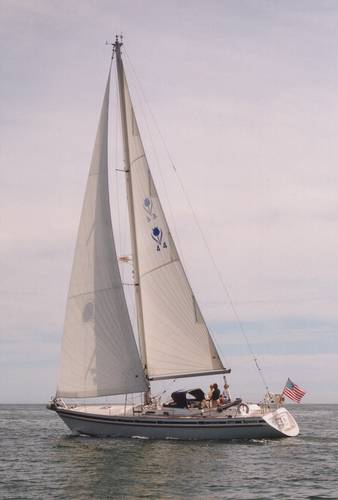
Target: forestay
{"type": "Point", "coordinates": [176, 337]}
{"type": "Point", "coordinates": [99, 354]}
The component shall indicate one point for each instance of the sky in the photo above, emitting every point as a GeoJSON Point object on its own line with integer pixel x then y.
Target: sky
{"type": "Point", "coordinates": [244, 97]}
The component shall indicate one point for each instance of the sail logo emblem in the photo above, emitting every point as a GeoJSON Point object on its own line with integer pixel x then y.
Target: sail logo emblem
{"type": "Point", "coordinates": [156, 232]}
{"type": "Point", "coordinates": [148, 207]}
{"type": "Point", "coordinates": [157, 235]}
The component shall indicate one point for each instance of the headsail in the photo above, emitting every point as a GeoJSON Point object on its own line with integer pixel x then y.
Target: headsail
{"type": "Point", "coordinates": [99, 354]}
{"type": "Point", "coordinates": [177, 339]}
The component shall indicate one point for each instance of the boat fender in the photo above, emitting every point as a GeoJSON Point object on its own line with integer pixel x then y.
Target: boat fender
{"type": "Point", "coordinates": [243, 407]}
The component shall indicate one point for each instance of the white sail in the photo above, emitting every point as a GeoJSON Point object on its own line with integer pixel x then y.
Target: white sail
{"type": "Point", "coordinates": [99, 354]}
{"type": "Point", "coordinates": [177, 339]}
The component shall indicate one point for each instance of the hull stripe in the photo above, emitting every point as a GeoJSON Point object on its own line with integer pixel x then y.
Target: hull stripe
{"type": "Point", "coordinates": [158, 423]}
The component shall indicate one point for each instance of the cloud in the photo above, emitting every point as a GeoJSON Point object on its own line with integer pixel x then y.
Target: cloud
{"type": "Point", "coordinates": [245, 96]}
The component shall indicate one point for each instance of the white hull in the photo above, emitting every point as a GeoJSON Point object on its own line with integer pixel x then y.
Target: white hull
{"type": "Point", "coordinates": [274, 424]}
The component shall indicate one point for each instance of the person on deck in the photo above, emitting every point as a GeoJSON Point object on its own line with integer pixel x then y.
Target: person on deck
{"type": "Point", "coordinates": [211, 388]}
{"type": "Point", "coordinates": [225, 396]}
{"type": "Point", "coordinates": [206, 403]}
{"type": "Point", "coordinates": [215, 395]}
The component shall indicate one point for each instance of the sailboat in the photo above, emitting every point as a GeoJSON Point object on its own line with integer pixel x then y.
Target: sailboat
{"type": "Point", "coordinates": [99, 353]}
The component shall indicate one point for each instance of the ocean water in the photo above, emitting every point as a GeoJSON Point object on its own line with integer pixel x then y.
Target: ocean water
{"type": "Point", "coordinates": [40, 459]}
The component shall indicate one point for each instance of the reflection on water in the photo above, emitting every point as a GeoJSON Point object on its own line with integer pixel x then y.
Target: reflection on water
{"type": "Point", "coordinates": [40, 459]}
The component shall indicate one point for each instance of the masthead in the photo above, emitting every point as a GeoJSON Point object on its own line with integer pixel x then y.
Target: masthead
{"type": "Point", "coordinates": [116, 45]}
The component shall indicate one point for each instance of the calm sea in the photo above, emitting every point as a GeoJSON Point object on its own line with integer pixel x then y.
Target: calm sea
{"type": "Point", "coordinates": [39, 459]}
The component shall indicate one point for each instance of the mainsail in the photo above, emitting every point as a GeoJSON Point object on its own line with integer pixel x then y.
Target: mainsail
{"type": "Point", "coordinates": [177, 340]}
{"type": "Point", "coordinates": [99, 355]}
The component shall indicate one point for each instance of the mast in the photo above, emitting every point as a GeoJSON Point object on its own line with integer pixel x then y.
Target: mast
{"type": "Point", "coordinates": [136, 275]}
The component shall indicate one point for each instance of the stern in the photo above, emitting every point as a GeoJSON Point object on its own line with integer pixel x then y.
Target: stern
{"type": "Point", "coordinates": [282, 421]}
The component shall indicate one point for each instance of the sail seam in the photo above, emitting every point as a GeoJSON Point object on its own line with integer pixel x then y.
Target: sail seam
{"type": "Point", "coordinates": [117, 287]}
{"type": "Point", "coordinates": [136, 159]}
{"type": "Point", "coordinates": [158, 267]}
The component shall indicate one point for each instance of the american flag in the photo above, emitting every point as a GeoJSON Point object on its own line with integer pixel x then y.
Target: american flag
{"type": "Point", "coordinates": [293, 391]}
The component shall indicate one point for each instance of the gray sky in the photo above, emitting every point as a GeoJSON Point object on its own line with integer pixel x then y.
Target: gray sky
{"type": "Point", "coordinates": [245, 94]}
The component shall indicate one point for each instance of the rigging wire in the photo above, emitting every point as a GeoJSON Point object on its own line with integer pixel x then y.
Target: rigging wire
{"type": "Point", "coordinates": [166, 387]}
{"type": "Point", "coordinates": [215, 266]}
